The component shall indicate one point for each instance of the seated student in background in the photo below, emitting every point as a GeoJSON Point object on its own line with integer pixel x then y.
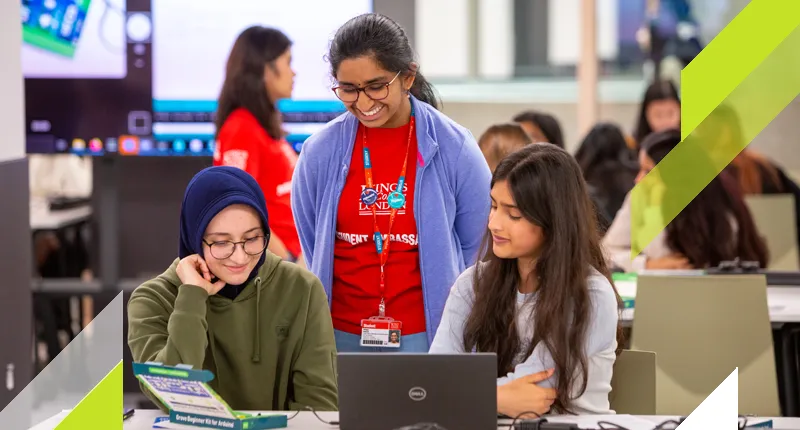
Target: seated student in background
{"type": "Point", "coordinates": [541, 127]}
{"type": "Point", "coordinates": [260, 324]}
{"type": "Point", "coordinates": [609, 168]}
{"type": "Point", "coordinates": [249, 134]}
{"type": "Point", "coordinates": [500, 140]}
{"type": "Point", "coordinates": [755, 173]}
{"type": "Point", "coordinates": [715, 226]}
{"type": "Point", "coordinates": [541, 258]}
{"type": "Point", "coordinates": [660, 110]}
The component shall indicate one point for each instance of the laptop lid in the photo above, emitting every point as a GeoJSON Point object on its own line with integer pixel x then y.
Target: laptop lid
{"type": "Point", "coordinates": [388, 391]}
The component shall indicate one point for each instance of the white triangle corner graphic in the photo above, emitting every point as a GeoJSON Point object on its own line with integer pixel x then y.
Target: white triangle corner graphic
{"type": "Point", "coordinates": [719, 410]}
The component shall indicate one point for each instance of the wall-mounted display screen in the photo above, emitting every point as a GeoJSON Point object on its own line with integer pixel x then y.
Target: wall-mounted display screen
{"type": "Point", "coordinates": [141, 77]}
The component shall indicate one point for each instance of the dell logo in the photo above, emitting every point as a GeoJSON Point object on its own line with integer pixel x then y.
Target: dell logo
{"type": "Point", "coordinates": [417, 394]}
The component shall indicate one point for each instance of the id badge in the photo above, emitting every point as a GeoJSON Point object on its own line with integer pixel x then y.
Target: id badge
{"type": "Point", "coordinates": [379, 332]}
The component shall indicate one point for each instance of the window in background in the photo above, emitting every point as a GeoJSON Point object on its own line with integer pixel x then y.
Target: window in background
{"type": "Point", "coordinates": [546, 33]}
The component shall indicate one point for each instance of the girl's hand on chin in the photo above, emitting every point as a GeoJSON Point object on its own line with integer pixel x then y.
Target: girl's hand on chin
{"type": "Point", "coordinates": [193, 270]}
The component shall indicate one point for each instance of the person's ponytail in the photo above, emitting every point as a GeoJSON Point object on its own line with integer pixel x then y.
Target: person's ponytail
{"type": "Point", "coordinates": [423, 91]}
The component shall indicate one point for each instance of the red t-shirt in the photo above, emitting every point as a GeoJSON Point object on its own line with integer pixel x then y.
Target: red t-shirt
{"type": "Point", "coordinates": [356, 263]}
{"type": "Point", "coordinates": [243, 143]}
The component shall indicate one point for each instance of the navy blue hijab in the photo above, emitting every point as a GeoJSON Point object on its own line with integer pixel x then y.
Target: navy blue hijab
{"type": "Point", "coordinates": [208, 193]}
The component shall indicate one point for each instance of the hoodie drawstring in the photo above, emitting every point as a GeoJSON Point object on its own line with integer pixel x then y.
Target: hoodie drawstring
{"type": "Point", "coordinates": [213, 346]}
{"type": "Point", "coordinates": [257, 340]}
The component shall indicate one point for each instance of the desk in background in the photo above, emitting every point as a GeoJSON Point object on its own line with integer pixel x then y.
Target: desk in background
{"type": "Point", "coordinates": [783, 302]}
{"type": "Point", "coordinates": [43, 219]}
{"type": "Point", "coordinates": [784, 313]}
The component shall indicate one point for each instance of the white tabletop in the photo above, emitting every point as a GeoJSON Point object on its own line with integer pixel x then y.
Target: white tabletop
{"type": "Point", "coordinates": [783, 302]}
{"type": "Point", "coordinates": [42, 218]}
{"type": "Point", "coordinates": [144, 419]}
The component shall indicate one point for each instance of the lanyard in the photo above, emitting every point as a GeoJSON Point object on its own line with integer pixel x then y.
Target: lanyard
{"type": "Point", "coordinates": [396, 200]}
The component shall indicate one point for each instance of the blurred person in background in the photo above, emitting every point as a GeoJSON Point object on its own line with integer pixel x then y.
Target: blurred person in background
{"type": "Point", "coordinates": [391, 198]}
{"type": "Point", "coordinates": [715, 226]}
{"type": "Point", "coordinates": [500, 140]}
{"type": "Point", "coordinates": [755, 173]}
{"type": "Point", "coordinates": [59, 254]}
{"type": "Point", "coordinates": [60, 175]}
{"type": "Point", "coordinates": [609, 168]}
{"type": "Point", "coordinates": [249, 133]}
{"type": "Point", "coordinates": [660, 110]}
{"type": "Point", "coordinates": [54, 176]}
{"type": "Point", "coordinates": [669, 37]}
{"type": "Point", "coordinates": [541, 127]}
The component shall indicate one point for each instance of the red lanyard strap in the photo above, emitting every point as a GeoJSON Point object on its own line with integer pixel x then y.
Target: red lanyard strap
{"type": "Point", "coordinates": [396, 200]}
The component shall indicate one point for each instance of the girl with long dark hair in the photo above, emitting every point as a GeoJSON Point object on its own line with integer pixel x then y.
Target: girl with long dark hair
{"type": "Point", "coordinates": [541, 298]}
{"type": "Point", "coordinates": [715, 226]}
{"type": "Point", "coordinates": [391, 198]}
{"type": "Point", "coordinates": [755, 173]}
{"type": "Point", "coordinates": [249, 134]}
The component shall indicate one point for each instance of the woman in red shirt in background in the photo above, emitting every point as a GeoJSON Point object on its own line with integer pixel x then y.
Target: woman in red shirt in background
{"type": "Point", "coordinates": [249, 133]}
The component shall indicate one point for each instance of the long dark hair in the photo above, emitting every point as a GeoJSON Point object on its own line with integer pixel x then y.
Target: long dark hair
{"type": "Point", "coordinates": [382, 38]}
{"type": "Point", "coordinates": [546, 122]}
{"type": "Point", "coordinates": [244, 86]}
{"type": "Point", "coordinates": [609, 167]}
{"type": "Point", "coordinates": [703, 231]}
{"type": "Point", "coordinates": [548, 189]}
{"type": "Point", "coordinates": [659, 90]}
{"type": "Point", "coordinates": [604, 143]}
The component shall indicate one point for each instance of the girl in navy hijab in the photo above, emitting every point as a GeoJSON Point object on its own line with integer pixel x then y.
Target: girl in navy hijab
{"type": "Point", "coordinates": [260, 324]}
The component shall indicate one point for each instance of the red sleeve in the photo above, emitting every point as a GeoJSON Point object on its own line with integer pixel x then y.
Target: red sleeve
{"type": "Point", "coordinates": [239, 146]}
{"type": "Point", "coordinates": [248, 148]}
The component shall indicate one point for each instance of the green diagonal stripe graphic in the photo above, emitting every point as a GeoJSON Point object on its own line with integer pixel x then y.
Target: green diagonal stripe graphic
{"type": "Point", "coordinates": [722, 125]}
{"type": "Point", "coordinates": [101, 408]}
{"type": "Point", "coordinates": [728, 59]}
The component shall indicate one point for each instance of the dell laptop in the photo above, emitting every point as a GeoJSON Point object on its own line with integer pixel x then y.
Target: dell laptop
{"type": "Point", "coordinates": [380, 391]}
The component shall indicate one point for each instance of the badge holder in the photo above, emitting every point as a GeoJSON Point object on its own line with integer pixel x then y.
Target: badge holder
{"type": "Point", "coordinates": [191, 401]}
{"type": "Point", "coordinates": [381, 332]}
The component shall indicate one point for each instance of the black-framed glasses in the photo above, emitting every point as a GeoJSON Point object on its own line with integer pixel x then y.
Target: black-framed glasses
{"type": "Point", "coordinates": [225, 248]}
{"type": "Point", "coordinates": [376, 91]}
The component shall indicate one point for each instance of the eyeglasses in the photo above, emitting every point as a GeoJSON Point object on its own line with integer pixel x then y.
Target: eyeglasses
{"type": "Point", "coordinates": [224, 249]}
{"type": "Point", "coordinates": [377, 91]}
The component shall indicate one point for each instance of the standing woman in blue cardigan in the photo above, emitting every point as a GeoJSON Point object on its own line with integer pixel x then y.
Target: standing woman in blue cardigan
{"type": "Point", "coordinates": [395, 169]}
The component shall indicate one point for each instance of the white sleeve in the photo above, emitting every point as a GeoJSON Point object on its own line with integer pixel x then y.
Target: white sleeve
{"type": "Point", "coordinates": [617, 241]}
{"type": "Point", "coordinates": [449, 337]}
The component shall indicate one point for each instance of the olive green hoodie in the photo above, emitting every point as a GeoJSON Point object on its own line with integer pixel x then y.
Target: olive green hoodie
{"type": "Point", "coordinates": [272, 348]}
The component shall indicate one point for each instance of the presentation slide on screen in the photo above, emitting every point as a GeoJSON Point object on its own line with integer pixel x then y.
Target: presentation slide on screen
{"type": "Point", "coordinates": [192, 40]}
{"type": "Point", "coordinates": [73, 39]}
